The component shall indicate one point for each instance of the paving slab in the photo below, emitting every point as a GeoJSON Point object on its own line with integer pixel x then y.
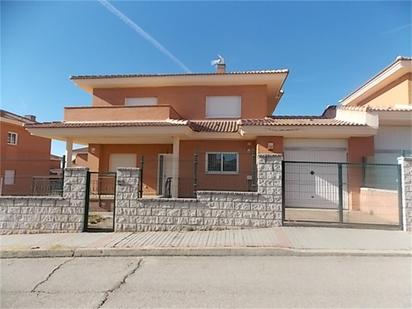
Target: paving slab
{"type": "Point", "coordinates": [268, 241]}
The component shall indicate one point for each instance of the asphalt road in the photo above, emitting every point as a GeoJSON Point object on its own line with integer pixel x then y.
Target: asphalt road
{"type": "Point", "coordinates": [374, 282]}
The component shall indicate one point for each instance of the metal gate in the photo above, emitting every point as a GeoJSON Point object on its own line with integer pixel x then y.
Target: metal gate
{"type": "Point", "coordinates": [100, 202]}
{"type": "Point", "coordinates": [335, 193]}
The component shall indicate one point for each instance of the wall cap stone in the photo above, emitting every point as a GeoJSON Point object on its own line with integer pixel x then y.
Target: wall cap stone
{"type": "Point", "coordinates": [402, 159]}
{"type": "Point", "coordinates": [158, 199]}
{"type": "Point", "coordinates": [228, 192]}
{"type": "Point", "coordinates": [270, 155]}
{"type": "Point", "coordinates": [128, 168]}
{"type": "Point", "coordinates": [30, 197]}
{"type": "Point", "coordinates": [76, 168]}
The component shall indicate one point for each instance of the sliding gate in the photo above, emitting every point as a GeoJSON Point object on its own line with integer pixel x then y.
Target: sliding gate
{"type": "Point", "coordinates": [100, 202]}
{"type": "Point", "coordinates": [321, 193]}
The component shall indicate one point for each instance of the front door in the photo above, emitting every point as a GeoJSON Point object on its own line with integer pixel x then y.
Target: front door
{"type": "Point", "coordinates": [165, 168]}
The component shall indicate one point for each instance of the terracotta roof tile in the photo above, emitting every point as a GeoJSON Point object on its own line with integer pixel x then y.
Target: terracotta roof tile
{"type": "Point", "coordinates": [176, 74]}
{"type": "Point", "coordinates": [224, 126]}
{"type": "Point", "coordinates": [404, 108]}
{"type": "Point", "coordinates": [97, 124]}
{"type": "Point", "coordinates": [297, 121]}
{"type": "Point", "coordinates": [219, 126]}
{"type": "Point", "coordinates": [13, 116]}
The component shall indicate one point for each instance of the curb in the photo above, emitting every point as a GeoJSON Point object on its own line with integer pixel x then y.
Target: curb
{"type": "Point", "coordinates": [242, 251]}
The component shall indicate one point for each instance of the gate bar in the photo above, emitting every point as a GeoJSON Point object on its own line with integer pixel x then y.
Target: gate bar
{"type": "Point", "coordinates": [340, 193]}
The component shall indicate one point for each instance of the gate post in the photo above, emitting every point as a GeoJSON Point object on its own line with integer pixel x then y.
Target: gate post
{"type": "Point", "coordinates": [406, 183]}
{"type": "Point", "coordinates": [127, 193]}
{"type": "Point", "coordinates": [75, 190]}
{"type": "Point", "coordinates": [340, 182]}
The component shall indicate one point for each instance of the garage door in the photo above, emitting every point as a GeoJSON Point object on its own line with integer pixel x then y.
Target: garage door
{"type": "Point", "coordinates": [122, 160]}
{"type": "Point", "coordinates": [313, 183]}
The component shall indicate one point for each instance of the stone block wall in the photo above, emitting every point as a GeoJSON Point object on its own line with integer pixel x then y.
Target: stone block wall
{"type": "Point", "coordinates": [210, 210]}
{"type": "Point", "coordinates": [406, 164]}
{"type": "Point", "coordinates": [45, 214]}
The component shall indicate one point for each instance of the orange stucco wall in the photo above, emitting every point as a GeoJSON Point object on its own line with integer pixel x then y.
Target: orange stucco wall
{"type": "Point", "coordinates": [189, 102]}
{"type": "Point", "coordinates": [358, 148]}
{"type": "Point", "coordinates": [224, 182]}
{"type": "Point", "coordinates": [263, 141]}
{"type": "Point", "coordinates": [118, 113]}
{"type": "Point", "coordinates": [150, 154]}
{"type": "Point", "coordinates": [397, 92]}
{"type": "Point", "coordinates": [380, 203]}
{"type": "Point", "coordinates": [30, 157]}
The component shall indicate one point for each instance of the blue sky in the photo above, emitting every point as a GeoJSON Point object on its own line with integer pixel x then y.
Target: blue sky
{"type": "Point", "coordinates": [330, 47]}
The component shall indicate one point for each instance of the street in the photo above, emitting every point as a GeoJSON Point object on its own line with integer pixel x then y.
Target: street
{"type": "Point", "coordinates": [280, 281]}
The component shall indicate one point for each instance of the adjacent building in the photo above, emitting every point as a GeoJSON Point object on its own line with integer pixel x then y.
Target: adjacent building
{"type": "Point", "coordinates": [23, 156]}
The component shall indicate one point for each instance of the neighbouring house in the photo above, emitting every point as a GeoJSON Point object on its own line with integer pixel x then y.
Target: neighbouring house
{"type": "Point", "coordinates": [23, 157]}
{"type": "Point", "coordinates": [204, 130]}
{"type": "Point", "coordinates": [79, 156]}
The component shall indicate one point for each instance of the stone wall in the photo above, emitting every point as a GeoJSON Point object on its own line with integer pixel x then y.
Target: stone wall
{"type": "Point", "coordinates": [210, 210]}
{"type": "Point", "coordinates": [406, 193]}
{"type": "Point", "coordinates": [44, 214]}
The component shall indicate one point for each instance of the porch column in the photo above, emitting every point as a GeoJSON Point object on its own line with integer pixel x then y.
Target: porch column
{"type": "Point", "coordinates": [69, 152]}
{"type": "Point", "coordinates": [175, 167]}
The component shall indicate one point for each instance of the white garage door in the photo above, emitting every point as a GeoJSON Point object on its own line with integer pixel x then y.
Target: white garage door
{"type": "Point", "coordinates": [313, 183]}
{"type": "Point", "coordinates": [122, 160]}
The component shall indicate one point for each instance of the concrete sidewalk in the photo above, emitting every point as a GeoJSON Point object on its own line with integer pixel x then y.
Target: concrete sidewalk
{"type": "Point", "coordinates": [270, 241]}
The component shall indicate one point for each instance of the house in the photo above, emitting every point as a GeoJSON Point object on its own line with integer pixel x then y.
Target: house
{"type": "Point", "coordinates": [22, 155]}
{"type": "Point", "coordinates": [203, 130]}
{"type": "Point", "coordinates": [388, 96]}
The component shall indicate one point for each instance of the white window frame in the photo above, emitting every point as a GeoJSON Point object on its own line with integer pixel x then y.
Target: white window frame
{"type": "Point", "coordinates": [7, 181]}
{"type": "Point", "coordinates": [16, 139]}
{"type": "Point", "coordinates": [221, 163]}
{"type": "Point", "coordinates": [154, 99]}
{"type": "Point", "coordinates": [210, 115]}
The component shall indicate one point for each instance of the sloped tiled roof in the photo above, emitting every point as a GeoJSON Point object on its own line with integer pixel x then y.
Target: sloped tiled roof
{"type": "Point", "coordinates": [176, 74]}
{"type": "Point", "coordinates": [297, 121]}
{"type": "Point", "coordinates": [226, 126]}
{"type": "Point", "coordinates": [404, 108]}
{"type": "Point", "coordinates": [13, 116]}
{"type": "Point", "coordinates": [215, 126]}
{"type": "Point", "coordinates": [98, 124]}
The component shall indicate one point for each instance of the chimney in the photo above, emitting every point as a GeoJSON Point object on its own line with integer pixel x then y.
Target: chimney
{"type": "Point", "coordinates": [220, 68]}
{"type": "Point", "coordinates": [31, 117]}
{"type": "Point", "coordinates": [220, 65]}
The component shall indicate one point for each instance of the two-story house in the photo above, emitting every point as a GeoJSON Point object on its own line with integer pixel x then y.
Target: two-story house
{"type": "Point", "coordinates": [220, 118]}
{"type": "Point", "coordinates": [22, 155]}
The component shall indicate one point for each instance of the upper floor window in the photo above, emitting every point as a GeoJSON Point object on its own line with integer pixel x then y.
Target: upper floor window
{"type": "Point", "coordinates": [12, 138]}
{"type": "Point", "coordinates": [141, 101]}
{"type": "Point", "coordinates": [223, 106]}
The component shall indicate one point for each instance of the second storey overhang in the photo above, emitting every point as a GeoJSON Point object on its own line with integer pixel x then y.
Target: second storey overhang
{"type": "Point", "coordinates": [272, 79]}
{"type": "Point", "coordinates": [149, 132]}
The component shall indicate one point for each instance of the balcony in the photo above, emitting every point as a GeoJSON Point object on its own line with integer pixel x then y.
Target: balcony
{"type": "Point", "coordinates": [120, 113]}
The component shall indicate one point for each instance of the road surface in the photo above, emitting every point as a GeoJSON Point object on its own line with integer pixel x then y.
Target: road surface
{"type": "Point", "coordinates": [282, 281]}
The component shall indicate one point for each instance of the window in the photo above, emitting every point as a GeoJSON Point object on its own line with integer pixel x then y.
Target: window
{"type": "Point", "coordinates": [222, 162]}
{"type": "Point", "coordinates": [9, 177]}
{"type": "Point", "coordinates": [223, 106]}
{"type": "Point", "coordinates": [12, 138]}
{"type": "Point", "coordinates": [141, 101]}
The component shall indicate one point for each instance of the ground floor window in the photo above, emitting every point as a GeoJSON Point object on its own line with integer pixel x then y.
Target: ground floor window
{"type": "Point", "coordinates": [222, 162]}
{"type": "Point", "coordinates": [9, 177]}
